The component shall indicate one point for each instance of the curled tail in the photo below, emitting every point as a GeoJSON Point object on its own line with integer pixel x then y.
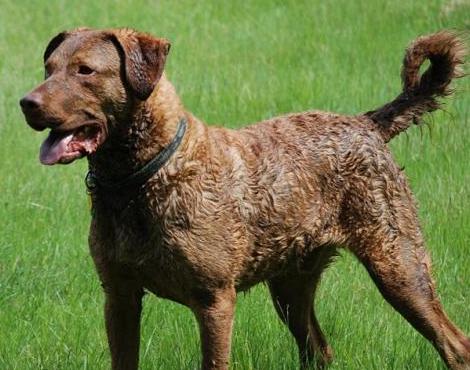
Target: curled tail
{"type": "Point", "coordinates": [446, 52]}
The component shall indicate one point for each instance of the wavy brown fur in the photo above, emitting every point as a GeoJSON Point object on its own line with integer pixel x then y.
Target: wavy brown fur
{"type": "Point", "coordinates": [271, 202]}
{"type": "Point", "coordinates": [446, 52]}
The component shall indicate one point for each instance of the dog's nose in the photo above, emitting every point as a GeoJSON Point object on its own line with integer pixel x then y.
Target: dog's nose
{"type": "Point", "coordinates": [31, 102]}
{"type": "Point", "coordinates": [32, 106]}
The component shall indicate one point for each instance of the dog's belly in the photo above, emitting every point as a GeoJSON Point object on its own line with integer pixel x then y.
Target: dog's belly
{"type": "Point", "coordinates": [164, 283]}
{"type": "Point", "coordinates": [176, 262]}
{"type": "Point", "coordinates": [286, 250]}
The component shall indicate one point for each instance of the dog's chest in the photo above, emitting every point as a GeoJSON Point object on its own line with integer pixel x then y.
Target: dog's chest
{"type": "Point", "coordinates": [140, 241]}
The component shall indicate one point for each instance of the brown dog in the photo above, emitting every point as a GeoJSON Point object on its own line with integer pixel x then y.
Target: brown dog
{"type": "Point", "coordinates": [195, 213]}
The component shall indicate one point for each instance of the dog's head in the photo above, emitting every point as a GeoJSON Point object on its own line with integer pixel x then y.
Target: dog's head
{"type": "Point", "coordinates": [92, 79]}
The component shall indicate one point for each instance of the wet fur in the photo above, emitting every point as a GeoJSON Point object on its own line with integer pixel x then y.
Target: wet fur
{"type": "Point", "coordinates": [271, 202]}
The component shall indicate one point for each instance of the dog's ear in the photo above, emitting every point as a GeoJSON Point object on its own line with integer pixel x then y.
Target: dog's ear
{"type": "Point", "coordinates": [54, 44]}
{"type": "Point", "coordinates": [59, 39]}
{"type": "Point", "coordinates": [144, 59]}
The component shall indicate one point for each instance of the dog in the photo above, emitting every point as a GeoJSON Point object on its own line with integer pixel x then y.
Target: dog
{"type": "Point", "coordinates": [196, 214]}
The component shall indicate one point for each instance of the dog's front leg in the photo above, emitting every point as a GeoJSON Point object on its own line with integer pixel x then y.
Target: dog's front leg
{"type": "Point", "coordinates": [122, 315]}
{"type": "Point", "coordinates": [214, 312]}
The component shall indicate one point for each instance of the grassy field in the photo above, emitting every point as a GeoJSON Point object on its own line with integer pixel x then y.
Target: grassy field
{"type": "Point", "coordinates": [233, 62]}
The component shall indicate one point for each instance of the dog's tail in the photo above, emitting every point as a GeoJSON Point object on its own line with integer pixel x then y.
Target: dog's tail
{"type": "Point", "coordinates": [421, 93]}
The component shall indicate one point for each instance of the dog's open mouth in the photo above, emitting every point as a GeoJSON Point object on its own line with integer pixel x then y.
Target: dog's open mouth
{"type": "Point", "coordinates": [66, 146]}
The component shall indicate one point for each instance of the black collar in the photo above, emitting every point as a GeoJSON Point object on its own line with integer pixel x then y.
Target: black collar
{"type": "Point", "coordinates": [140, 177]}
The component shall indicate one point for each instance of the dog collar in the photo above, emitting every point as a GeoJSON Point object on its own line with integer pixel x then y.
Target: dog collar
{"type": "Point", "coordinates": [142, 175]}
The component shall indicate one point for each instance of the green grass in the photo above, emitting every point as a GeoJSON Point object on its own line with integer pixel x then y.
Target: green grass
{"type": "Point", "coordinates": [232, 62]}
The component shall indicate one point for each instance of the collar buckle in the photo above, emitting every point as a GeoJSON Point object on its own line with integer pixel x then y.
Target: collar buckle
{"type": "Point", "coordinates": [91, 182]}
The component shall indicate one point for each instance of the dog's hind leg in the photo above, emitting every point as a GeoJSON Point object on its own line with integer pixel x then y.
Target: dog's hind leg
{"type": "Point", "coordinates": [400, 266]}
{"type": "Point", "coordinates": [293, 297]}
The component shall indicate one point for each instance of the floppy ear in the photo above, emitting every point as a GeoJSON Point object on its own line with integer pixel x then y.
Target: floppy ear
{"type": "Point", "coordinates": [144, 59]}
{"type": "Point", "coordinates": [54, 44]}
{"type": "Point", "coordinates": [58, 39]}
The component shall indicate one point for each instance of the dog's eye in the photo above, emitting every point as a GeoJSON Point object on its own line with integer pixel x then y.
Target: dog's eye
{"type": "Point", "coordinates": [85, 70]}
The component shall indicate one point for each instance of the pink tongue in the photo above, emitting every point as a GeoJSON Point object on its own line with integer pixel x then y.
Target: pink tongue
{"type": "Point", "coordinates": [54, 148]}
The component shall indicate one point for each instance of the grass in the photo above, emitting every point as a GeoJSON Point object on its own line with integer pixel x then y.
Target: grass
{"type": "Point", "coordinates": [232, 62]}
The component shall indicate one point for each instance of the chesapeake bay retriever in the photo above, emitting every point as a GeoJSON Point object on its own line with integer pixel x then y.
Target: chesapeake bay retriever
{"type": "Point", "coordinates": [195, 213]}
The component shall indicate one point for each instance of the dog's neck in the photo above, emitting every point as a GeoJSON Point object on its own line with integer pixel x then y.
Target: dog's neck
{"type": "Point", "coordinates": [149, 128]}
